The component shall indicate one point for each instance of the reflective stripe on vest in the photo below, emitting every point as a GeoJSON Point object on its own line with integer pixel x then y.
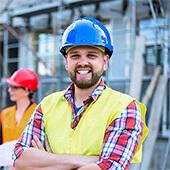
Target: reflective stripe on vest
{"type": "Point", "coordinates": [87, 137]}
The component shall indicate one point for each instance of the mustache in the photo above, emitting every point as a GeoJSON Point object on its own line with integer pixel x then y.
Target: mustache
{"type": "Point", "coordinates": [78, 66]}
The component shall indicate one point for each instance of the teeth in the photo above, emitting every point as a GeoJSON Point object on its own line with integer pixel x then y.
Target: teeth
{"type": "Point", "coordinates": [83, 71]}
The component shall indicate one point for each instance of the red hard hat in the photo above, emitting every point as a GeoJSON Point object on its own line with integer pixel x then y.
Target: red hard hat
{"type": "Point", "coordinates": [24, 78]}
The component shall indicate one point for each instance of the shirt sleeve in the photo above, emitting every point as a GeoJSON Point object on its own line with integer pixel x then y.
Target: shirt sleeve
{"type": "Point", "coordinates": [121, 139]}
{"type": "Point", "coordinates": [34, 127]}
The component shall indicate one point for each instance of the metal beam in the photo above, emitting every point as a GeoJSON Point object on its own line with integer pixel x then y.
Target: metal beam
{"type": "Point", "coordinates": [152, 9]}
{"type": "Point", "coordinates": [154, 120]}
{"type": "Point", "coordinates": [150, 90]}
{"type": "Point", "coordinates": [138, 66]}
{"type": "Point", "coordinates": [162, 7]}
{"type": "Point", "coordinates": [51, 7]}
{"type": "Point", "coordinates": [35, 10]}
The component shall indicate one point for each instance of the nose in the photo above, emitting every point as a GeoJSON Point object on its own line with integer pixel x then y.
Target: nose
{"type": "Point", "coordinates": [83, 61]}
{"type": "Point", "coordinates": [9, 89]}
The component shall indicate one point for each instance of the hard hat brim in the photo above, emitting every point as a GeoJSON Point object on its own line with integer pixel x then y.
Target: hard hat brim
{"type": "Point", "coordinates": [102, 49]}
{"type": "Point", "coordinates": [13, 83]}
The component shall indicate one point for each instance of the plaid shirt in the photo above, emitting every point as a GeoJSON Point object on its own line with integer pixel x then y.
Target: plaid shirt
{"type": "Point", "coordinates": [120, 140]}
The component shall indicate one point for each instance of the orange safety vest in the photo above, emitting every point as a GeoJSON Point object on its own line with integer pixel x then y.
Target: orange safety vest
{"type": "Point", "coordinates": [10, 129]}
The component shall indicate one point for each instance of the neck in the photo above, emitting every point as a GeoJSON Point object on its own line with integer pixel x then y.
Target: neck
{"type": "Point", "coordinates": [82, 94]}
{"type": "Point", "coordinates": [22, 104]}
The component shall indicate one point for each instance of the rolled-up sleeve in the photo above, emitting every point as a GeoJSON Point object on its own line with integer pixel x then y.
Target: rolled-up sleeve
{"type": "Point", "coordinates": [121, 139]}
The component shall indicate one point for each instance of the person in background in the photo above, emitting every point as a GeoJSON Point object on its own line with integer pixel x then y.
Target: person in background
{"type": "Point", "coordinates": [21, 87]}
{"type": "Point", "coordinates": [0, 130]}
{"type": "Point", "coordinates": [89, 126]}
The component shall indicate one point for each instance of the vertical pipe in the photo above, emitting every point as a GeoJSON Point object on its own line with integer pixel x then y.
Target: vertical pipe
{"type": "Point", "coordinates": [165, 72]}
{"type": "Point", "coordinates": [156, 25]}
{"type": "Point", "coordinates": [5, 53]}
{"type": "Point", "coordinates": [5, 67]}
{"type": "Point", "coordinates": [134, 19]}
{"type": "Point", "coordinates": [132, 38]}
{"type": "Point", "coordinates": [165, 52]}
{"type": "Point", "coordinates": [59, 76]}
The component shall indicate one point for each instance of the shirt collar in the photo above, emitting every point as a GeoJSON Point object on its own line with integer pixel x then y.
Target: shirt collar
{"type": "Point", "coordinates": [69, 94]}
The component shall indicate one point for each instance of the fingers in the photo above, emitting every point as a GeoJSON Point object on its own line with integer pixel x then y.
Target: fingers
{"type": "Point", "coordinates": [36, 143]}
{"type": "Point", "coordinates": [47, 145]}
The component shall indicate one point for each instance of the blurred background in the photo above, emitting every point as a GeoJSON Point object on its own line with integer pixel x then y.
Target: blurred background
{"type": "Point", "coordinates": [30, 37]}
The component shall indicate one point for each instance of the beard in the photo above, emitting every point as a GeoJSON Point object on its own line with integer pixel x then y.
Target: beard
{"type": "Point", "coordinates": [85, 84]}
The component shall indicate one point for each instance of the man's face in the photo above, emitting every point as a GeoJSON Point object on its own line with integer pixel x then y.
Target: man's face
{"type": "Point", "coordinates": [85, 65]}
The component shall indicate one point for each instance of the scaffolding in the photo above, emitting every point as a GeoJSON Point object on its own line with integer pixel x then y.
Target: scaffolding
{"type": "Point", "coordinates": [155, 51]}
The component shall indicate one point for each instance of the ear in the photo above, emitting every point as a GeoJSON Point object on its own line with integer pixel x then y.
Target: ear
{"type": "Point", "coordinates": [66, 62]}
{"type": "Point", "coordinates": [106, 62]}
{"type": "Point", "coordinates": [27, 92]}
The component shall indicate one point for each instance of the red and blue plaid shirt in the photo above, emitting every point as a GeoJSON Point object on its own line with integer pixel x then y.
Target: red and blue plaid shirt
{"type": "Point", "coordinates": [120, 140]}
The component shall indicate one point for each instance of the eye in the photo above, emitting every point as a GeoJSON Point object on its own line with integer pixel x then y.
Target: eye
{"type": "Point", "coordinates": [92, 56]}
{"type": "Point", "coordinates": [75, 56]}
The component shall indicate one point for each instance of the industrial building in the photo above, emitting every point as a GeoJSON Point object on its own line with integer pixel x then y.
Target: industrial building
{"type": "Point", "coordinates": [30, 37]}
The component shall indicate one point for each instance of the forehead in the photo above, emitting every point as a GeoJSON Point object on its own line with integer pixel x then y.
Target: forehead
{"type": "Point", "coordinates": [15, 87]}
{"type": "Point", "coordinates": [82, 49]}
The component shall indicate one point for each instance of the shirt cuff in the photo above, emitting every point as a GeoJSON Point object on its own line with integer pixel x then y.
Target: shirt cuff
{"type": "Point", "coordinates": [109, 165]}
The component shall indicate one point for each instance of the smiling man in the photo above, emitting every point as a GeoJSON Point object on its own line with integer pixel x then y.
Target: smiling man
{"type": "Point", "coordinates": [85, 65]}
{"type": "Point", "coordinates": [88, 126]}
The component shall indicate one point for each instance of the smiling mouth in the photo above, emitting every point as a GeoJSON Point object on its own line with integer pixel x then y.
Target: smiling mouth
{"type": "Point", "coordinates": [83, 72]}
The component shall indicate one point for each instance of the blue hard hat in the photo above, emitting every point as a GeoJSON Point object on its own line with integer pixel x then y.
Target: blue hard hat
{"type": "Point", "coordinates": [86, 31]}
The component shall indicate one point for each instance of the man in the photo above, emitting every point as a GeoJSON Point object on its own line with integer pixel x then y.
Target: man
{"type": "Point", "coordinates": [88, 126]}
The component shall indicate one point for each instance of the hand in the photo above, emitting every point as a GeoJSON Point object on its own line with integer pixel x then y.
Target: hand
{"type": "Point", "coordinates": [36, 143]}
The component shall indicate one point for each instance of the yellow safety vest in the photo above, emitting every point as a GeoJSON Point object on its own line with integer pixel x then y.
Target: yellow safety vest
{"type": "Point", "coordinates": [11, 130]}
{"type": "Point", "coordinates": [87, 137]}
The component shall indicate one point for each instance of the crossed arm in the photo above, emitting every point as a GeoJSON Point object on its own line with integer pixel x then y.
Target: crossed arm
{"type": "Point", "coordinates": [125, 137]}
{"type": "Point", "coordinates": [40, 158]}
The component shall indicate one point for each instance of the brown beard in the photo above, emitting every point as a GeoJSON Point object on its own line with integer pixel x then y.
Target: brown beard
{"type": "Point", "coordinates": [86, 84]}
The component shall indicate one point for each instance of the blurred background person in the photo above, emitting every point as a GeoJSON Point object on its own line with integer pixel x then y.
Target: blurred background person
{"type": "Point", "coordinates": [21, 87]}
{"type": "Point", "coordinates": [13, 120]}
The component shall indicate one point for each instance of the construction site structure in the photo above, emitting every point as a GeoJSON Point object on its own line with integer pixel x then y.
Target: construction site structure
{"type": "Point", "coordinates": [30, 37]}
